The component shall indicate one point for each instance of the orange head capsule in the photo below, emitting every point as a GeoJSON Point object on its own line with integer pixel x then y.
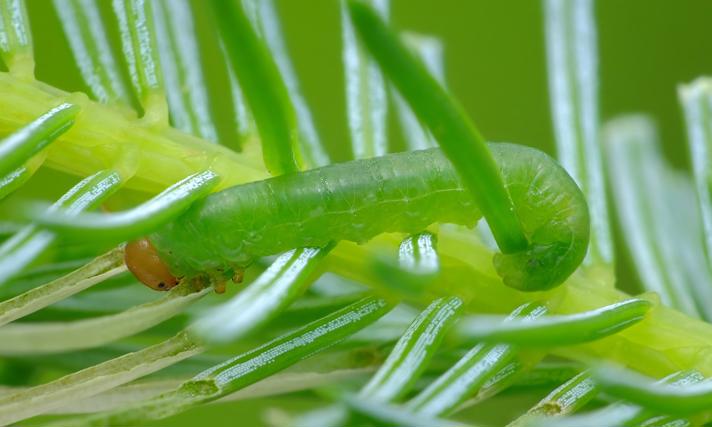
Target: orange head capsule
{"type": "Point", "coordinates": [142, 260]}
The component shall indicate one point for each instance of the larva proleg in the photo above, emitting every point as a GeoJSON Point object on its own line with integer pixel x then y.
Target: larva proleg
{"type": "Point", "coordinates": [358, 200]}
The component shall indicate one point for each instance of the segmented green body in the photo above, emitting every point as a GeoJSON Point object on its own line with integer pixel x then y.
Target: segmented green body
{"type": "Point", "coordinates": [358, 200]}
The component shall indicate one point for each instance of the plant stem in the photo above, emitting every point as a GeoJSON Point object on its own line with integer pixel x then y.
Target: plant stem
{"type": "Point", "coordinates": [182, 66]}
{"type": "Point", "coordinates": [567, 398]}
{"type": "Point", "coordinates": [412, 352]}
{"type": "Point", "coordinates": [20, 146]}
{"type": "Point", "coordinates": [88, 41]}
{"type": "Point", "coordinates": [15, 39]}
{"type": "Point", "coordinates": [96, 271]}
{"type": "Point", "coordinates": [30, 242]}
{"type": "Point", "coordinates": [101, 135]}
{"type": "Point", "coordinates": [17, 178]}
{"type": "Point", "coordinates": [248, 368]}
{"type": "Point", "coordinates": [696, 99]}
{"type": "Point", "coordinates": [655, 345]}
{"type": "Point", "coordinates": [50, 337]}
{"type": "Point", "coordinates": [138, 40]}
{"type": "Point", "coordinates": [573, 84]}
{"type": "Point", "coordinates": [457, 135]}
{"type": "Point", "coordinates": [263, 87]}
{"type": "Point", "coordinates": [555, 330]}
{"type": "Point", "coordinates": [94, 380]}
{"type": "Point", "coordinates": [141, 220]}
{"type": "Point", "coordinates": [658, 345]}
{"type": "Point", "coordinates": [264, 17]}
{"type": "Point", "coordinates": [657, 208]}
{"type": "Point", "coordinates": [366, 103]}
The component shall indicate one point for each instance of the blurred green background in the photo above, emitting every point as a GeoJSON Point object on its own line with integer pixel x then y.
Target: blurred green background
{"type": "Point", "coordinates": [495, 66]}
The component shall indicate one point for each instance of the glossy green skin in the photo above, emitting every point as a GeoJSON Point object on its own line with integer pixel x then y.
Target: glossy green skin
{"type": "Point", "coordinates": [358, 200]}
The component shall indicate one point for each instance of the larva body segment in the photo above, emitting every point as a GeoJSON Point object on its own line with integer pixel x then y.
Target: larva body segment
{"type": "Point", "coordinates": [350, 201]}
{"type": "Point", "coordinates": [358, 200]}
{"type": "Point", "coordinates": [553, 213]}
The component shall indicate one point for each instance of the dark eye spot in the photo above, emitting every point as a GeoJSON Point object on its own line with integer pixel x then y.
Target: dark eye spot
{"type": "Point", "coordinates": [161, 285]}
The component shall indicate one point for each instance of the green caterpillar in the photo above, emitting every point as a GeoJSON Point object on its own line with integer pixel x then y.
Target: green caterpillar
{"type": "Point", "coordinates": [225, 232]}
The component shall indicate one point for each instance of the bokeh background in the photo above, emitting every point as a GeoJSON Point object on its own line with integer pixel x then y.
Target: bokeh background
{"type": "Point", "coordinates": [495, 66]}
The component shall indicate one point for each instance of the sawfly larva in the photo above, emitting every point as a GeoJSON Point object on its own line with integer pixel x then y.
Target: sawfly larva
{"type": "Point", "coordinates": [226, 231]}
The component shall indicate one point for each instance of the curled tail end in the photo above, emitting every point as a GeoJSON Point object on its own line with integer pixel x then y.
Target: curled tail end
{"type": "Point", "coordinates": [541, 267]}
{"type": "Point", "coordinates": [554, 214]}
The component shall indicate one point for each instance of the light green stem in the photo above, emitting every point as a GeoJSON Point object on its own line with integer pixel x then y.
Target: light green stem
{"type": "Point", "coordinates": [94, 380]}
{"type": "Point", "coordinates": [16, 39]}
{"type": "Point", "coordinates": [104, 136]}
{"type": "Point", "coordinates": [52, 337]}
{"type": "Point", "coordinates": [94, 272]}
{"type": "Point", "coordinates": [571, 48]}
{"type": "Point", "coordinates": [666, 341]}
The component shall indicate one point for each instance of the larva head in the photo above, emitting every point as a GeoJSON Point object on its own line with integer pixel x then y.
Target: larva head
{"type": "Point", "coordinates": [143, 261]}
